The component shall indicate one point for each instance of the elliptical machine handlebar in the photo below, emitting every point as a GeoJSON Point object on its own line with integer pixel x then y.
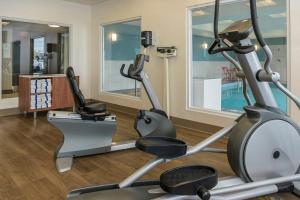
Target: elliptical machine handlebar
{"type": "Point", "coordinates": [238, 49]}
{"type": "Point", "coordinates": [255, 24]}
{"type": "Point", "coordinates": [267, 74]}
{"type": "Point", "coordinates": [216, 45]}
{"type": "Point", "coordinates": [135, 69]}
{"type": "Point", "coordinates": [260, 38]}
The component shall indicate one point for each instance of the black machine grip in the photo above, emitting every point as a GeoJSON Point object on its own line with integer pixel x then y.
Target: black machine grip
{"type": "Point", "coordinates": [215, 48]}
{"type": "Point", "coordinates": [122, 71]}
{"type": "Point", "coordinates": [138, 65]}
{"type": "Point", "coordinates": [216, 45]}
{"type": "Point", "coordinates": [129, 75]}
{"type": "Point", "coordinates": [255, 24]}
{"type": "Point", "coordinates": [135, 69]}
{"type": "Point", "coordinates": [95, 116]}
{"type": "Point", "coordinates": [212, 49]}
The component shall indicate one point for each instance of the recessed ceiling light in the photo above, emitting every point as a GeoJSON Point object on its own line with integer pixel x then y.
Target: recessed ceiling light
{"type": "Point", "coordinates": [264, 3]}
{"type": "Point", "coordinates": [54, 25]}
{"type": "Point", "coordinates": [279, 15]}
{"type": "Point", "coordinates": [199, 13]}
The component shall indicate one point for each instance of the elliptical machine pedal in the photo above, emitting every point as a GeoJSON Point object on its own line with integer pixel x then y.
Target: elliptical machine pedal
{"type": "Point", "coordinates": [189, 180]}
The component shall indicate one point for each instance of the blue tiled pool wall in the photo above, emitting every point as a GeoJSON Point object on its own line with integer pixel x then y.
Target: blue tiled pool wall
{"type": "Point", "coordinates": [233, 99]}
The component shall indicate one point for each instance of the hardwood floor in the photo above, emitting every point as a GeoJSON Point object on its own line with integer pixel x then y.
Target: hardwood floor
{"type": "Point", "coordinates": [27, 169]}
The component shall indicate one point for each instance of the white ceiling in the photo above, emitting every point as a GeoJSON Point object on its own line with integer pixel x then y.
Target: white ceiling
{"type": "Point", "coordinates": [19, 27]}
{"type": "Point", "coordinates": [88, 2]}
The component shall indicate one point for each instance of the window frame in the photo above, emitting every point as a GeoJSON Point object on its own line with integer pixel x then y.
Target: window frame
{"type": "Point", "coordinates": [102, 60]}
{"type": "Point", "coordinates": [189, 56]}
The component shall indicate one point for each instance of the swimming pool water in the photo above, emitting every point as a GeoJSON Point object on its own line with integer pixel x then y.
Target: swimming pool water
{"type": "Point", "coordinates": [233, 99]}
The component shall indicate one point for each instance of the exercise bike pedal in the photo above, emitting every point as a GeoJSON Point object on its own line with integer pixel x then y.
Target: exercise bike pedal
{"type": "Point", "coordinates": [189, 180]}
{"type": "Point", "coordinates": [163, 147]}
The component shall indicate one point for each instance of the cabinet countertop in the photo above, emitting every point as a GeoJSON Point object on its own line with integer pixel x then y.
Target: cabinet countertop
{"type": "Point", "coordinates": [42, 76]}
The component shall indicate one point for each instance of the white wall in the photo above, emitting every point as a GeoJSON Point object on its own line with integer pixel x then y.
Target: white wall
{"type": "Point", "coordinates": [168, 20]}
{"type": "Point", "coordinates": [77, 16]}
{"type": "Point", "coordinates": [294, 52]}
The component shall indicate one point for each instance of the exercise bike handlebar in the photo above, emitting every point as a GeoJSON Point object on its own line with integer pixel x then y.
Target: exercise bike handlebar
{"type": "Point", "coordinates": [135, 69]}
{"type": "Point", "coordinates": [122, 71]}
{"type": "Point", "coordinates": [138, 78]}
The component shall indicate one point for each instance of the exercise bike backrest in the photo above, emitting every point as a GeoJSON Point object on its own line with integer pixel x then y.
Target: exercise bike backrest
{"type": "Point", "coordinates": [77, 94]}
{"type": "Point", "coordinates": [135, 69]}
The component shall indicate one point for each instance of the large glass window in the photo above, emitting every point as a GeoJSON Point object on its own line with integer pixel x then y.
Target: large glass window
{"type": "Point", "coordinates": [213, 84]}
{"type": "Point", "coordinates": [121, 43]}
{"type": "Point", "coordinates": [31, 48]}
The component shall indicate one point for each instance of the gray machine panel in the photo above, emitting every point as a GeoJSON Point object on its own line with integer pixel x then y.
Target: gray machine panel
{"type": "Point", "coordinates": [81, 135]}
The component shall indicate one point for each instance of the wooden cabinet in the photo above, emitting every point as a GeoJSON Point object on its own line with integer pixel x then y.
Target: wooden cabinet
{"type": "Point", "coordinates": [34, 96]}
{"type": "Point", "coordinates": [61, 92]}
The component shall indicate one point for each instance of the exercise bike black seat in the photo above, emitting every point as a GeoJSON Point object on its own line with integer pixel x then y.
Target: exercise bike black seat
{"type": "Point", "coordinates": [163, 147]}
{"type": "Point", "coordinates": [94, 107]}
{"type": "Point", "coordinates": [80, 102]}
{"type": "Point", "coordinates": [189, 180]}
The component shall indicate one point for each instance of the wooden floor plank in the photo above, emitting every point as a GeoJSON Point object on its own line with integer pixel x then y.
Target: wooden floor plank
{"type": "Point", "coordinates": [27, 168]}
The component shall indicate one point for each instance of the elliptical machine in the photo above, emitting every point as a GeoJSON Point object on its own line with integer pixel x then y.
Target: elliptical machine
{"type": "Point", "coordinates": [263, 148]}
{"type": "Point", "coordinates": [91, 128]}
